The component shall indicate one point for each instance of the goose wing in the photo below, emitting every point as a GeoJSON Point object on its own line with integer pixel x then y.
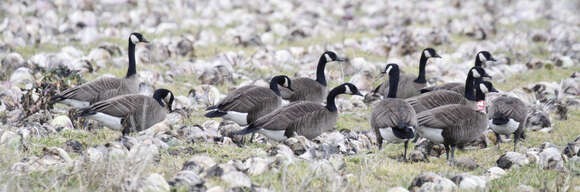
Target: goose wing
{"type": "Point", "coordinates": [121, 106]}
{"type": "Point", "coordinates": [245, 99]}
{"type": "Point", "coordinates": [443, 117]}
{"type": "Point", "coordinates": [509, 106]}
{"type": "Point", "coordinates": [288, 116]}
{"type": "Point", "coordinates": [435, 99]}
{"type": "Point", "coordinates": [90, 91]}
{"type": "Point", "coordinates": [389, 112]}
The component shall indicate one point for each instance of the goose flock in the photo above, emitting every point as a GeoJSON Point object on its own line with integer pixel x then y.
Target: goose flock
{"type": "Point", "coordinates": [452, 114]}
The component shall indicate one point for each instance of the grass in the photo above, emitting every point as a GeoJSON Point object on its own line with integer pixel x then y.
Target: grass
{"type": "Point", "coordinates": [367, 171]}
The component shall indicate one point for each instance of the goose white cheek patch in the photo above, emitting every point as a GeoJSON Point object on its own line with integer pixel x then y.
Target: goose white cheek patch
{"type": "Point", "coordinates": [482, 58]}
{"type": "Point", "coordinates": [134, 39]}
{"type": "Point", "coordinates": [475, 73]}
{"type": "Point", "coordinates": [426, 53]}
{"type": "Point", "coordinates": [328, 59]}
{"type": "Point", "coordinates": [481, 106]}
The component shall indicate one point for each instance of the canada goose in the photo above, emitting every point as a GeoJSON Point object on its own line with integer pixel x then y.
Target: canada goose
{"type": "Point", "coordinates": [507, 115]}
{"type": "Point", "coordinates": [410, 85]}
{"type": "Point", "coordinates": [455, 125]}
{"type": "Point", "coordinates": [306, 89]}
{"type": "Point", "coordinates": [306, 118]}
{"type": "Point", "coordinates": [133, 112]}
{"type": "Point", "coordinates": [481, 58]}
{"type": "Point", "coordinates": [105, 87]}
{"type": "Point", "coordinates": [248, 103]}
{"type": "Point", "coordinates": [438, 98]}
{"type": "Point", "coordinates": [393, 119]}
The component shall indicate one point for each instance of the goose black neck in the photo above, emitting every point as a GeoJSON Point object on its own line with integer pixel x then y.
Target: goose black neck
{"type": "Point", "coordinates": [393, 83]}
{"type": "Point", "coordinates": [469, 89]}
{"type": "Point", "coordinates": [320, 78]}
{"type": "Point", "coordinates": [274, 86]}
{"type": "Point", "coordinates": [478, 62]}
{"type": "Point", "coordinates": [421, 77]}
{"type": "Point", "coordinates": [479, 95]}
{"type": "Point", "coordinates": [131, 70]}
{"type": "Point", "coordinates": [330, 105]}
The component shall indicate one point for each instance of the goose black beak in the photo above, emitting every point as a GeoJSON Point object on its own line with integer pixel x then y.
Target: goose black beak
{"type": "Point", "coordinates": [339, 59]}
{"type": "Point", "coordinates": [492, 59]}
{"type": "Point", "coordinates": [359, 94]}
{"type": "Point", "coordinates": [493, 89]}
{"type": "Point", "coordinates": [437, 55]}
{"type": "Point", "coordinates": [144, 40]}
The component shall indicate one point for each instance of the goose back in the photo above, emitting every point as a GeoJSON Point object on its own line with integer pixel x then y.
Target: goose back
{"type": "Point", "coordinates": [508, 106]}
{"type": "Point", "coordinates": [305, 118]}
{"type": "Point", "coordinates": [390, 112]}
{"type": "Point", "coordinates": [255, 100]}
{"type": "Point", "coordinates": [100, 89]}
{"type": "Point", "coordinates": [460, 124]}
{"type": "Point", "coordinates": [454, 86]}
{"type": "Point", "coordinates": [305, 89]}
{"type": "Point", "coordinates": [435, 99]}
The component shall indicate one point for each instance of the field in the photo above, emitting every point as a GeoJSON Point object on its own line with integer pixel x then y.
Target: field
{"type": "Point", "coordinates": [213, 48]}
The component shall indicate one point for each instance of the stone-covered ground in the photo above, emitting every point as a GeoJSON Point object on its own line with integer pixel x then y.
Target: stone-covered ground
{"type": "Point", "coordinates": [201, 50]}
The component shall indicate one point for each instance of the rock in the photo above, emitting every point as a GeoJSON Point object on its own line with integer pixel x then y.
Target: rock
{"type": "Point", "coordinates": [551, 158]}
{"type": "Point", "coordinates": [398, 189]}
{"type": "Point", "coordinates": [144, 152]}
{"type": "Point", "coordinates": [216, 189]}
{"type": "Point", "coordinates": [466, 163]}
{"type": "Point", "coordinates": [10, 139]}
{"type": "Point", "coordinates": [74, 146]}
{"type": "Point", "coordinates": [431, 182]}
{"type": "Point", "coordinates": [9, 63]}
{"type": "Point", "coordinates": [417, 156]}
{"type": "Point", "coordinates": [153, 182]}
{"type": "Point", "coordinates": [188, 179]}
{"type": "Point", "coordinates": [198, 163]}
{"type": "Point", "coordinates": [236, 179]}
{"type": "Point", "coordinates": [257, 165]}
{"type": "Point", "coordinates": [526, 188]}
{"type": "Point", "coordinates": [22, 78]}
{"type": "Point", "coordinates": [494, 173]}
{"type": "Point", "coordinates": [298, 144]}
{"type": "Point", "coordinates": [510, 159]}
{"type": "Point", "coordinates": [572, 148]}
{"type": "Point", "coordinates": [466, 181]}
{"type": "Point", "coordinates": [61, 122]}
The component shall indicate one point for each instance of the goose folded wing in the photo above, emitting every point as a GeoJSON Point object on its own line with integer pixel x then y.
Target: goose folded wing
{"type": "Point", "coordinates": [442, 117]}
{"type": "Point", "coordinates": [120, 106]}
{"type": "Point", "coordinates": [245, 99]}
{"type": "Point", "coordinates": [92, 88]}
{"type": "Point", "coordinates": [510, 107]}
{"type": "Point", "coordinates": [287, 116]}
{"type": "Point", "coordinates": [397, 111]}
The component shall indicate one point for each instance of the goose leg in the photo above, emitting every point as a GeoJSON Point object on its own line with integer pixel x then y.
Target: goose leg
{"type": "Point", "coordinates": [380, 142]}
{"type": "Point", "coordinates": [498, 140]}
{"type": "Point", "coordinates": [452, 161]}
{"type": "Point", "coordinates": [447, 150]}
{"type": "Point", "coordinates": [405, 153]}
{"type": "Point", "coordinates": [252, 137]}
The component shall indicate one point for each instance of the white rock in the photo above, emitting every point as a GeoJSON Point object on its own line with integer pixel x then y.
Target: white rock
{"type": "Point", "coordinates": [23, 78]}
{"type": "Point", "coordinates": [202, 160]}
{"type": "Point", "coordinates": [257, 165]}
{"type": "Point", "coordinates": [466, 181]}
{"type": "Point", "coordinates": [551, 158]}
{"type": "Point", "coordinates": [494, 173]}
{"type": "Point", "coordinates": [398, 189]}
{"type": "Point", "coordinates": [236, 179]}
{"type": "Point", "coordinates": [153, 182]}
{"type": "Point", "coordinates": [61, 122]}
{"type": "Point", "coordinates": [512, 159]}
{"type": "Point", "coordinates": [432, 182]}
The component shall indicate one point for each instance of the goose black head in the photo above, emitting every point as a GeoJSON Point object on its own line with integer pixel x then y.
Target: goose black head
{"type": "Point", "coordinates": [430, 53]}
{"type": "Point", "coordinates": [479, 72]}
{"type": "Point", "coordinates": [164, 97]}
{"type": "Point", "coordinates": [390, 69]}
{"type": "Point", "coordinates": [137, 38]}
{"type": "Point", "coordinates": [283, 81]}
{"type": "Point", "coordinates": [330, 56]}
{"type": "Point", "coordinates": [483, 57]}
{"type": "Point", "coordinates": [351, 89]}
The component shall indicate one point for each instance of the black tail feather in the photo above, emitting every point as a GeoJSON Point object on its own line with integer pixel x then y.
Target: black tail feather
{"type": "Point", "coordinates": [215, 113]}
{"type": "Point", "coordinates": [85, 112]}
{"type": "Point", "coordinates": [403, 131]}
{"type": "Point", "coordinates": [250, 129]}
{"type": "Point", "coordinates": [211, 107]}
{"type": "Point", "coordinates": [425, 90]}
{"type": "Point", "coordinates": [55, 99]}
